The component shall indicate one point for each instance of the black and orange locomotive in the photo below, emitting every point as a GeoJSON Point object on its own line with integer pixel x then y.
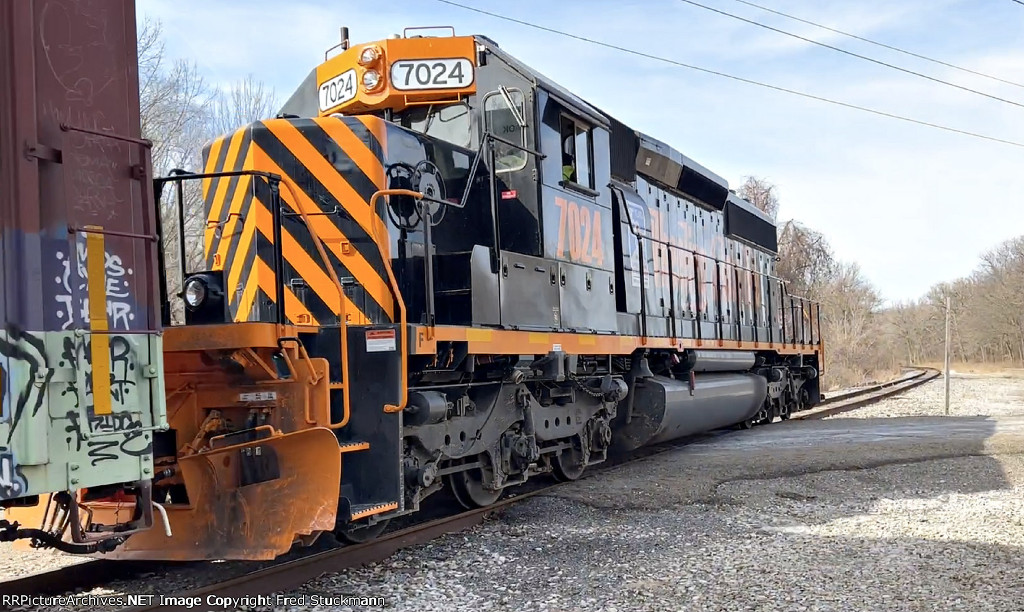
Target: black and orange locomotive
{"type": "Point", "coordinates": [439, 269]}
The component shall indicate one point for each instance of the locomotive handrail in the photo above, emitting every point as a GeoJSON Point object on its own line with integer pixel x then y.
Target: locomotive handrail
{"type": "Point", "coordinates": [397, 293]}
{"type": "Point", "coordinates": [493, 136]}
{"type": "Point", "coordinates": [178, 176]}
{"type": "Point", "coordinates": [342, 317]}
{"type": "Point", "coordinates": [268, 428]}
{"type": "Point", "coordinates": [693, 253]}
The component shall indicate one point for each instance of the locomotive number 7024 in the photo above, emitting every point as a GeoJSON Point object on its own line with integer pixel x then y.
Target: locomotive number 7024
{"type": "Point", "coordinates": [580, 231]}
{"type": "Point", "coordinates": [432, 74]}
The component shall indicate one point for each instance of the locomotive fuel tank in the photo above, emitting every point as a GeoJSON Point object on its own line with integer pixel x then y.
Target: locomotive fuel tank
{"type": "Point", "coordinates": [665, 408]}
{"type": "Point", "coordinates": [720, 361]}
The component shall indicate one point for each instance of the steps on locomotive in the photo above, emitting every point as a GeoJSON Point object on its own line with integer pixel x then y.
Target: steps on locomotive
{"type": "Point", "coordinates": [371, 469]}
{"type": "Point", "coordinates": [353, 446]}
{"type": "Point", "coordinates": [361, 511]}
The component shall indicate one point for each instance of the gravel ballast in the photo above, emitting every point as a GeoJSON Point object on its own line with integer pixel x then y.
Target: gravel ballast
{"type": "Point", "coordinates": [884, 513]}
{"type": "Point", "coordinates": [889, 507]}
{"type": "Point", "coordinates": [969, 395]}
{"type": "Point", "coordinates": [798, 543]}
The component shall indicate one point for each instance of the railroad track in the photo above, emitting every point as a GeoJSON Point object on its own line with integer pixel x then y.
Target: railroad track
{"type": "Point", "coordinates": [868, 395]}
{"type": "Point", "coordinates": [297, 568]}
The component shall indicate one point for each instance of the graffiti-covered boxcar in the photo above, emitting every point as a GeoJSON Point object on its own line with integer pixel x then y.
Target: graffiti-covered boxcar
{"type": "Point", "coordinates": [80, 344]}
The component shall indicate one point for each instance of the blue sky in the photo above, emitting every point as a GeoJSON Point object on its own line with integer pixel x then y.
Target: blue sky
{"type": "Point", "coordinates": [912, 205]}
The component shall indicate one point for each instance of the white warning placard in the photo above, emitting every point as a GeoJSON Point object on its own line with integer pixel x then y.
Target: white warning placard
{"type": "Point", "coordinates": [380, 340]}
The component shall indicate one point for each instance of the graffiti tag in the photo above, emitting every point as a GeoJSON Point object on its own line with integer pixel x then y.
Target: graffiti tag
{"type": "Point", "coordinates": [78, 356]}
{"type": "Point", "coordinates": [133, 442]}
{"type": "Point", "coordinates": [12, 481]}
{"type": "Point", "coordinates": [21, 350]}
{"type": "Point", "coordinates": [73, 302]}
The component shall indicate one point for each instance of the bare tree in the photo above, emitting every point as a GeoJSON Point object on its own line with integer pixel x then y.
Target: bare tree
{"type": "Point", "coordinates": [174, 101]}
{"type": "Point", "coordinates": [852, 322]}
{"type": "Point", "coordinates": [180, 113]}
{"type": "Point", "coordinates": [760, 193]}
{"type": "Point", "coordinates": [851, 316]}
{"type": "Point", "coordinates": [806, 261]}
{"type": "Point", "coordinates": [986, 318]}
{"type": "Point", "coordinates": [243, 102]}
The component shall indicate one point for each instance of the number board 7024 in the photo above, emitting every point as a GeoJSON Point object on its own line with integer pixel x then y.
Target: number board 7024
{"type": "Point", "coordinates": [432, 74]}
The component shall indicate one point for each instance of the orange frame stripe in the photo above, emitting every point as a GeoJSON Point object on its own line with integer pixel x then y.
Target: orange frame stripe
{"type": "Point", "coordinates": [511, 342]}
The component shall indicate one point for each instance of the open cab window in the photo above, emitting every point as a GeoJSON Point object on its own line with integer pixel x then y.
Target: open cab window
{"type": "Point", "coordinates": [576, 152]}
{"type": "Point", "coordinates": [504, 116]}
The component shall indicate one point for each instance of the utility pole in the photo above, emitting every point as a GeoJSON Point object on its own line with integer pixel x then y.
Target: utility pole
{"type": "Point", "coordinates": [947, 356]}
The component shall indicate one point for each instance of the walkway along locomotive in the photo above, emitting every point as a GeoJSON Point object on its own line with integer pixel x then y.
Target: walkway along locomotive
{"type": "Point", "coordinates": [439, 269]}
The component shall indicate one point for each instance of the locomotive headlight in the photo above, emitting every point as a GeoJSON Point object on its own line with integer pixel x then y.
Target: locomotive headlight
{"type": "Point", "coordinates": [371, 79]}
{"type": "Point", "coordinates": [369, 56]}
{"type": "Point", "coordinates": [195, 293]}
{"type": "Point", "coordinates": [205, 299]}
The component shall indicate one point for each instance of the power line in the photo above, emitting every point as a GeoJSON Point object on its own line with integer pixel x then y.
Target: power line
{"type": "Point", "coordinates": [729, 76]}
{"type": "Point", "coordinates": [883, 45]}
{"type": "Point", "coordinates": [850, 53]}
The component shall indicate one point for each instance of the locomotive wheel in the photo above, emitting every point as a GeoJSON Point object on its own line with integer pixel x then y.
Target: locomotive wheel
{"type": "Point", "coordinates": [745, 424]}
{"type": "Point", "coordinates": [468, 488]}
{"type": "Point", "coordinates": [568, 464]}
{"type": "Point", "coordinates": [785, 411]}
{"type": "Point", "coordinates": [356, 533]}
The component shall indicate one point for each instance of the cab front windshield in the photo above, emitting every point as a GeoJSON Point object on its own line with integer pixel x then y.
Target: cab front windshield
{"type": "Point", "coordinates": [450, 123]}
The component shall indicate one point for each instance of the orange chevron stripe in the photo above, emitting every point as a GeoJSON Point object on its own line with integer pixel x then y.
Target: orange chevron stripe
{"type": "Point", "coordinates": [211, 161]}
{"type": "Point", "coordinates": [247, 299]}
{"type": "Point", "coordinates": [317, 278]}
{"type": "Point", "coordinates": [335, 183]}
{"type": "Point", "coordinates": [357, 265]}
{"type": "Point", "coordinates": [293, 307]}
{"type": "Point", "coordinates": [310, 269]}
{"type": "Point", "coordinates": [217, 205]}
{"type": "Point", "coordinates": [355, 147]}
{"type": "Point", "coordinates": [378, 128]}
{"type": "Point", "coordinates": [305, 265]}
{"type": "Point", "coordinates": [245, 243]}
{"type": "Point", "coordinates": [243, 187]}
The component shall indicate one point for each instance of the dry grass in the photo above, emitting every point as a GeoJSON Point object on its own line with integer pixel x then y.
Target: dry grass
{"type": "Point", "coordinates": [839, 376]}
{"type": "Point", "coordinates": [1003, 368]}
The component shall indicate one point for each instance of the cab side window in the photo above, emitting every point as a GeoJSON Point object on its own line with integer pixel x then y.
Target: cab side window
{"type": "Point", "coordinates": [576, 152]}
{"type": "Point", "coordinates": [504, 116]}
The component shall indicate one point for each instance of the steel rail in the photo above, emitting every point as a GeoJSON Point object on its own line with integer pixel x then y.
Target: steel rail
{"type": "Point", "coordinates": [917, 373]}
{"type": "Point", "coordinates": [84, 575]}
{"type": "Point", "coordinates": [293, 574]}
{"type": "Point", "coordinates": [868, 395]}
